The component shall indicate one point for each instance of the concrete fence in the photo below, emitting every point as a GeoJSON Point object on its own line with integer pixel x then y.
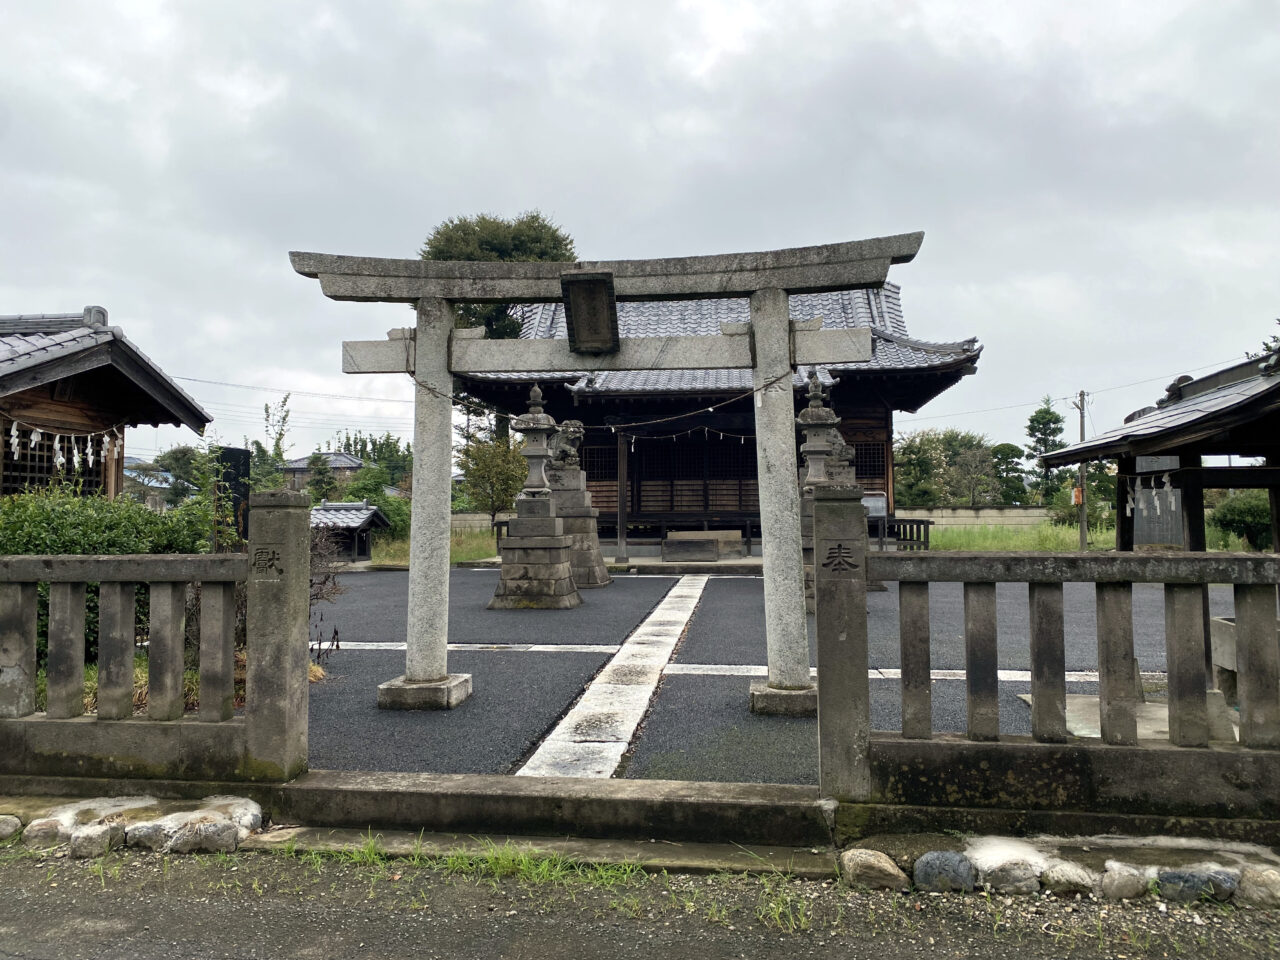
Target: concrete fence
{"type": "Point", "coordinates": [976, 516]}
{"type": "Point", "coordinates": [268, 742]}
{"type": "Point", "coordinates": [466, 522]}
{"type": "Point", "coordinates": [1185, 776]}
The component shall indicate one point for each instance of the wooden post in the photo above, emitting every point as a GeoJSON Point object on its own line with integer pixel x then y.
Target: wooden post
{"type": "Point", "coordinates": [1125, 469]}
{"type": "Point", "coordinates": [1273, 494]}
{"type": "Point", "coordinates": [1193, 539]}
{"type": "Point", "coordinates": [620, 553]}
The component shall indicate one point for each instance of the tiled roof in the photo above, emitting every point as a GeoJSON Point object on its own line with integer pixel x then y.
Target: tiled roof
{"type": "Point", "coordinates": [336, 459]}
{"type": "Point", "coordinates": [879, 309]}
{"type": "Point", "coordinates": [347, 516]}
{"type": "Point", "coordinates": [1196, 407]}
{"type": "Point", "coordinates": [33, 340]}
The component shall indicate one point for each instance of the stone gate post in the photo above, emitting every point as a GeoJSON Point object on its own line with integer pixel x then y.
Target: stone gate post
{"type": "Point", "coordinates": [277, 610]}
{"type": "Point", "coordinates": [788, 689]}
{"type": "Point", "coordinates": [844, 696]}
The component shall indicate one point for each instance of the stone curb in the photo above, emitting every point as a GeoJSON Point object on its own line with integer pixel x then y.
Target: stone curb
{"type": "Point", "coordinates": [950, 871]}
{"type": "Point", "coordinates": [94, 827]}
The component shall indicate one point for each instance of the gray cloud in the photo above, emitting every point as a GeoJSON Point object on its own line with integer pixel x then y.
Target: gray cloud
{"type": "Point", "coordinates": [1098, 186]}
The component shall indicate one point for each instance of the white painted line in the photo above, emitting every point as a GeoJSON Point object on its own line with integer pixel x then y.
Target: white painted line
{"type": "Point", "coordinates": [503, 647]}
{"type": "Point", "coordinates": [884, 673]}
{"type": "Point", "coordinates": [595, 733]}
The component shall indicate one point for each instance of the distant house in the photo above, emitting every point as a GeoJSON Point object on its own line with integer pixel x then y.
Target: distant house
{"type": "Point", "coordinates": [344, 466]}
{"type": "Point", "coordinates": [69, 386]}
{"type": "Point", "coordinates": [351, 524]}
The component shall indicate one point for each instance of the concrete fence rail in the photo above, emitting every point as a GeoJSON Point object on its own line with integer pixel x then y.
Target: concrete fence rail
{"type": "Point", "coordinates": [268, 742]}
{"type": "Point", "coordinates": [1186, 776]}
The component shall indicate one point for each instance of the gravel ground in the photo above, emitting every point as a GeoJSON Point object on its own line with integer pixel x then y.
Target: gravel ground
{"type": "Point", "coordinates": [137, 906]}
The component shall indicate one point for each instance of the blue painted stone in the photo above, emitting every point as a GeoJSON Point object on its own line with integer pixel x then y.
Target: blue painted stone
{"type": "Point", "coordinates": [943, 871]}
{"type": "Point", "coordinates": [1185, 886]}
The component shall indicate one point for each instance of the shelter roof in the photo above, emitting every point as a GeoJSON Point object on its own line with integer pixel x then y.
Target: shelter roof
{"type": "Point", "coordinates": [880, 309]}
{"type": "Point", "coordinates": [348, 516]}
{"type": "Point", "coordinates": [336, 459]}
{"type": "Point", "coordinates": [1193, 412]}
{"type": "Point", "coordinates": [37, 349]}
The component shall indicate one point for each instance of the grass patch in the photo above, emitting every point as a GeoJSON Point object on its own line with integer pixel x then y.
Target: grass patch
{"type": "Point", "coordinates": [463, 546]}
{"type": "Point", "coordinates": [1045, 538]}
{"type": "Point", "coordinates": [506, 861]}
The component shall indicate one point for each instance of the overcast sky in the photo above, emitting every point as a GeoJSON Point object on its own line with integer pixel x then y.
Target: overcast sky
{"type": "Point", "coordinates": [1098, 182]}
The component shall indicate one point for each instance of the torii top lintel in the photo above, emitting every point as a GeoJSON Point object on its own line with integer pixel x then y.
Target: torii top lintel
{"type": "Point", "coordinates": [837, 266]}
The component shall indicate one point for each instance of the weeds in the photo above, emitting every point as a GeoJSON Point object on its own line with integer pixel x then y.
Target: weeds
{"type": "Point", "coordinates": [781, 908]}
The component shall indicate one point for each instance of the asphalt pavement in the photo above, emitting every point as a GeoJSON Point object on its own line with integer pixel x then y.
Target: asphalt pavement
{"type": "Point", "coordinates": [698, 725]}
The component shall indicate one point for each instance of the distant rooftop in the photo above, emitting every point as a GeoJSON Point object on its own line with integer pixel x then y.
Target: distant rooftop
{"type": "Point", "coordinates": [336, 459]}
{"type": "Point", "coordinates": [1192, 411]}
{"type": "Point", "coordinates": [347, 516]}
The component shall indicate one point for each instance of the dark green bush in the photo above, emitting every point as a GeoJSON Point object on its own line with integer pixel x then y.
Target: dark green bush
{"type": "Point", "coordinates": [57, 520]}
{"type": "Point", "coordinates": [1247, 514]}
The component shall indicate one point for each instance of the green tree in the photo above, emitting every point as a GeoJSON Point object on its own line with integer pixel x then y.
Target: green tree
{"type": "Point", "coordinates": [266, 460]}
{"type": "Point", "coordinates": [919, 467]}
{"type": "Point", "coordinates": [493, 471]}
{"type": "Point", "coordinates": [1247, 514]}
{"type": "Point", "coordinates": [971, 477]}
{"type": "Point", "coordinates": [1270, 345]}
{"type": "Point", "coordinates": [530, 236]}
{"type": "Point", "coordinates": [1044, 429]}
{"type": "Point", "coordinates": [370, 483]}
{"type": "Point", "coordinates": [388, 451]}
{"type": "Point", "coordinates": [180, 463]}
{"type": "Point", "coordinates": [322, 484]}
{"type": "Point", "coordinates": [1006, 459]}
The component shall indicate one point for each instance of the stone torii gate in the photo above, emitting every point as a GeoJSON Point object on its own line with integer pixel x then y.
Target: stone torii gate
{"type": "Point", "coordinates": [771, 345]}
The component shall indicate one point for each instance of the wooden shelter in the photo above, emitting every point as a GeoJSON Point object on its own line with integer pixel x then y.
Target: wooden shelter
{"type": "Point", "coordinates": [684, 439]}
{"type": "Point", "coordinates": [1233, 412]}
{"type": "Point", "coordinates": [351, 525]}
{"type": "Point", "coordinates": [69, 386]}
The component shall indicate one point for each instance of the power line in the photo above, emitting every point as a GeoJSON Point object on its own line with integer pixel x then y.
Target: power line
{"type": "Point", "coordinates": [296, 393]}
{"type": "Point", "coordinates": [1033, 403]}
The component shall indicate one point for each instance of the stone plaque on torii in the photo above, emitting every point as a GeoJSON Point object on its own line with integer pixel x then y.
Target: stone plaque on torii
{"type": "Point", "coordinates": [771, 345]}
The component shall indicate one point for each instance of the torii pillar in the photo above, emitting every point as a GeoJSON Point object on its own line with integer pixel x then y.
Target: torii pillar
{"type": "Point", "coordinates": [771, 345]}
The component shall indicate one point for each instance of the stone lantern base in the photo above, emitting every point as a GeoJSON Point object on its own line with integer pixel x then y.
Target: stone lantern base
{"type": "Point", "coordinates": [536, 574]}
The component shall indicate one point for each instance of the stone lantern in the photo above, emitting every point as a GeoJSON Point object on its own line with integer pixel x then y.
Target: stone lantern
{"type": "Point", "coordinates": [536, 573]}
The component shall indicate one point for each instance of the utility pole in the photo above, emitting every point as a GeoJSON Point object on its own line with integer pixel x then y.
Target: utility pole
{"type": "Point", "coordinates": [1084, 505]}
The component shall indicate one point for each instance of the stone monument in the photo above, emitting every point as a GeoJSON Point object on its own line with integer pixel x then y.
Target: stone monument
{"type": "Point", "coordinates": [572, 502]}
{"type": "Point", "coordinates": [536, 574]}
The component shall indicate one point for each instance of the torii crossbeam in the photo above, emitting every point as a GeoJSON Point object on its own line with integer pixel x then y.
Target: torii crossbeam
{"type": "Point", "coordinates": [770, 345]}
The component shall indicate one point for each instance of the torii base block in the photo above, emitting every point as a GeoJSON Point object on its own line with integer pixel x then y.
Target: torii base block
{"type": "Point", "coordinates": [402, 694]}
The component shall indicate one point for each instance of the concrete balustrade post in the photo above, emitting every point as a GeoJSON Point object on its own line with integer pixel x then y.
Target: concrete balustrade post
{"type": "Point", "coordinates": [278, 606]}
{"type": "Point", "coordinates": [17, 649]}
